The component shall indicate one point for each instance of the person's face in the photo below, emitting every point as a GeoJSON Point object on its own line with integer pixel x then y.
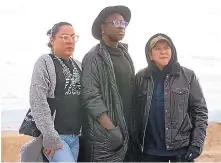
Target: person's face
{"type": "Point", "coordinates": [114, 27]}
{"type": "Point", "coordinates": [64, 42]}
{"type": "Point", "coordinates": [161, 54]}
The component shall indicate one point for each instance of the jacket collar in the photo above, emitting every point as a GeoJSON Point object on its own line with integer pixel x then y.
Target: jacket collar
{"type": "Point", "coordinates": [120, 44]}
{"type": "Point", "coordinates": [175, 70]}
{"type": "Point", "coordinates": [104, 52]}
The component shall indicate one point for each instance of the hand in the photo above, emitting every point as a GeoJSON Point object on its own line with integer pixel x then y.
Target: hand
{"type": "Point", "coordinates": [106, 122]}
{"type": "Point", "coordinates": [50, 152]}
{"type": "Point", "coordinates": [193, 152]}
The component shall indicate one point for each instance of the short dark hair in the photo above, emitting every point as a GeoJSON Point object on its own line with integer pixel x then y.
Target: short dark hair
{"type": "Point", "coordinates": [54, 30]}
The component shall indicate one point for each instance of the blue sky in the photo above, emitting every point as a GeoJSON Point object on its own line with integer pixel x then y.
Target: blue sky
{"type": "Point", "coordinates": [193, 25]}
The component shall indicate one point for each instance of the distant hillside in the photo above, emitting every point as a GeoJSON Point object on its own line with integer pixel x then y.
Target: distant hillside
{"type": "Point", "coordinates": [215, 116]}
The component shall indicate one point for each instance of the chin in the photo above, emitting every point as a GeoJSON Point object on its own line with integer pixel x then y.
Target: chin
{"type": "Point", "coordinates": [120, 38]}
{"type": "Point", "coordinates": [164, 65]}
{"type": "Point", "coordinates": [69, 54]}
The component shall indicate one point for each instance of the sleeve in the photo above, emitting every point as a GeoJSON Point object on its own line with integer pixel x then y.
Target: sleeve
{"type": "Point", "coordinates": [40, 107]}
{"type": "Point", "coordinates": [199, 113]}
{"type": "Point", "coordinates": [91, 95]}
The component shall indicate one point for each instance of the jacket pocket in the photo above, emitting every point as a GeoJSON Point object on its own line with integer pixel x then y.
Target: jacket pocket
{"type": "Point", "coordinates": [115, 139]}
{"type": "Point", "coordinates": [184, 130]}
{"type": "Point", "coordinates": [186, 127]}
{"type": "Point", "coordinates": [179, 94]}
{"type": "Point", "coordinates": [100, 133]}
{"type": "Point", "coordinates": [179, 99]}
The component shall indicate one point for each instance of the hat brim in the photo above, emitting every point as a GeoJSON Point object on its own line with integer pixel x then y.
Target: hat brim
{"type": "Point", "coordinates": [96, 27]}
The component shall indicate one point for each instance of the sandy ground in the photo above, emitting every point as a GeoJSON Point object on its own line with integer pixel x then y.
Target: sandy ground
{"type": "Point", "coordinates": [212, 150]}
{"type": "Point", "coordinates": [12, 142]}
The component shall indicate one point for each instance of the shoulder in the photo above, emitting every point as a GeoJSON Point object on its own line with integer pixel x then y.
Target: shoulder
{"type": "Point", "coordinates": [187, 71]}
{"type": "Point", "coordinates": [44, 64]}
{"type": "Point", "coordinates": [91, 55]}
{"type": "Point", "coordinates": [44, 59]}
{"type": "Point", "coordinates": [141, 73]}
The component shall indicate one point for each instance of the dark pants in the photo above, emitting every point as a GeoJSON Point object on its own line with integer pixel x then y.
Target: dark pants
{"type": "Point", "coordinates": [81, 156]}
{"type": "Point", "coordinates": [152, 158]}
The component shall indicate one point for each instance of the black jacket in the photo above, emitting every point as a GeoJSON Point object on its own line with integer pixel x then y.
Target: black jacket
{"type": "Point", "coordinates": [99, 95]}
{"type": "Point", "coordinates": [186, 112]}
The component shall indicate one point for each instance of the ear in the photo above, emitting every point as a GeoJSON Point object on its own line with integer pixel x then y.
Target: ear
{"type": "Point", "coordinates": [52, 41]}
{"type": "Point", "coordinates": [150, 55]}
{"type": "Point", "coordinates": [102, 29]}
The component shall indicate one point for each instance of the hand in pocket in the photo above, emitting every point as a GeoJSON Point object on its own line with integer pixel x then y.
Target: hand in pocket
{"type": "Point", "coordinates": [115, 139]}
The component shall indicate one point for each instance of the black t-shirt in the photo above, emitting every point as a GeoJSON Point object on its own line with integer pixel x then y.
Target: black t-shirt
{"type": "Point", "coordinates": [68, 102]}
{"type": "Point", "coordinates": [124, 77]}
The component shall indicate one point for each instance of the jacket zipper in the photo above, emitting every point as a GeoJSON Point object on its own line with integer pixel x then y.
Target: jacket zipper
{"type": "Point", "coordinates": [148, 112]}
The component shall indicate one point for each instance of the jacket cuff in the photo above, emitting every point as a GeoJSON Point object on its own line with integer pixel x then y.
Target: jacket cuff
{"type": "Point", "coordinates": [51, 142]}
{"type": "Point", "coordinates": [97, 113]}
{"type": "Point", "coordinates": [197, 144]}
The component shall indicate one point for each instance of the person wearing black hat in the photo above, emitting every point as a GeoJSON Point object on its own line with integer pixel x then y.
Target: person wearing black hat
{"type": "Point", "coordinates": [171, 113]}
{"type": "Point", "coordinates": [107, 87]}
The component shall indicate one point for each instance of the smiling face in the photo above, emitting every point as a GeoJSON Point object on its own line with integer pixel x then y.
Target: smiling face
{"type": "Point", "coordinates": [161, 54]}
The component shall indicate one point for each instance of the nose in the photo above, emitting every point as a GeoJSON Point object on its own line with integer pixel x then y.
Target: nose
{"type": "Point", "coordinates": [163, 51]}
{"type": "Point", "coordinates": [70, 41]}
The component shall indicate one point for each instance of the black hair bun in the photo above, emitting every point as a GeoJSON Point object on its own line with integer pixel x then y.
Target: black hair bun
{"type": "Point", "coordinates": [49, 32]}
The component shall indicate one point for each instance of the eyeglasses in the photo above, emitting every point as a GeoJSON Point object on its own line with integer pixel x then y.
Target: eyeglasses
{"type": "Point", "coordinates": [118, 23]}
{"type": "Point", "coordinates": [67, 38]}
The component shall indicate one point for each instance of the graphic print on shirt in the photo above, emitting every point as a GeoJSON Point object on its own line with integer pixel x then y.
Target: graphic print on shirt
{"type": "Point", "coordinates": [72, 80]}
{"type": "Point", "coordinates": [73, 83]}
